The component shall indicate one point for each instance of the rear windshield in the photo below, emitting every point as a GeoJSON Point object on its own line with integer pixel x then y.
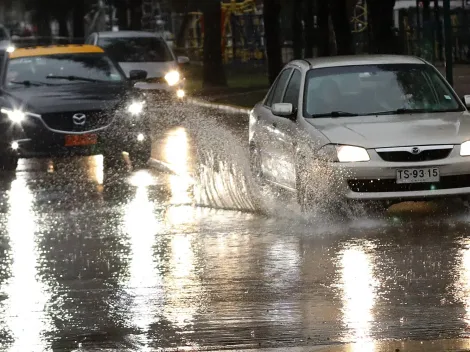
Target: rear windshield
{"type": "Point", "coordinates": [137, 49]}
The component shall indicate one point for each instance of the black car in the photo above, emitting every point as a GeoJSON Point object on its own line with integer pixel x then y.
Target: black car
{"type": "Point", "coordinates": [70, 100]}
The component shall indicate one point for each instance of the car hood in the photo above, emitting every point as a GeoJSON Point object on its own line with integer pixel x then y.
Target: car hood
{"type": "Point", "coordinates": [396, 130]}
{"type": "Point", "coordinates": [69, 97]}
{"type": "Point", "coordinates": [154, 69]}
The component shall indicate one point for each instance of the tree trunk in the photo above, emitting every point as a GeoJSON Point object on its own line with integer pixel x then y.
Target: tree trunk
{"type": "Point", "coordinates": [121, 14]}
{"type": "Point", "coordinates": [136, 15]}
{"type": "Point", "coordinates": [381, 22]}
{"type": "Point", "coordinates": [297, 29]}
{"type": "Point", "coordinates": [323, 20]}
{"type": "Point", "coordinates": [309, 28]}
{"type": "Point", "coordinates": [213, 74]}
{"type": "Point", "coordinates": [43, 24]}
{"type": "Point", "coordinates": [79, 19]}
{"type": "Point", "coordinates": [272, 34]}
{"type": "Point", "coordinates": [426, 10]}
{"type": "Point", "coordinates": [343, 34]}
{"type": "Point", "coordinates": [63, 29]}
{"type": "Point", "coordinates": [181, 36]}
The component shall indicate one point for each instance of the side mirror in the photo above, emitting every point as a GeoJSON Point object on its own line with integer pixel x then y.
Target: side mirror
{"type": "Point", "coordinates": [136, 75]}
{"type": "Point", "coordinates": [466, 100]}
{"type": "Point", "coordinates": [183, 60]}
{"type": "Point", "coordinates": [283, 110]}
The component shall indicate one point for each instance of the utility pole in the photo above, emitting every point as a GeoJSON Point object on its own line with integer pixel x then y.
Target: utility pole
{"type": "Point", "coordinates": [448, 43]}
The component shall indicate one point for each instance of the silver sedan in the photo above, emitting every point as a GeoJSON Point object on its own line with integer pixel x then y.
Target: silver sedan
{"type": "Point", "coordinates": [383, 128]}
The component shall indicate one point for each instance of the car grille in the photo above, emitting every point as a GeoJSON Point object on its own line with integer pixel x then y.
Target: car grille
{"type": "Point", "coordinates": [63, 121]}
{"type": "Point", "coordinates": [390, 185]}
{"type": "Point", "coordinates": [425, 155]}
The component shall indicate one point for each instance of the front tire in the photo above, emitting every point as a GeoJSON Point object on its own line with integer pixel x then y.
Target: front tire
{"type": "Point", "coordinates": [8, 163]}
{"type": "Point", "coordinates": [141, 155]}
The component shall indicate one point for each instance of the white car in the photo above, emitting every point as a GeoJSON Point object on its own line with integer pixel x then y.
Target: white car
{"type": "Point", "coordinates": [364, 128]}
{"type": "Point", "coordinates": [139, 50]}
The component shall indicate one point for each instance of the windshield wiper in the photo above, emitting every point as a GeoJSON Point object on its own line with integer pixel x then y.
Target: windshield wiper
{"type": "Point", "coordinates": [410, 111]}
{"type": "Point", "coordinates": [28, 83]}
{"type": "Point", "coordinates": [74, 78]}
{"type": "Point", "coordinates": [335, 114]}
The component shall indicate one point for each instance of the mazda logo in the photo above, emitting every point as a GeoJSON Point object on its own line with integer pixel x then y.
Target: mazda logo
{"type": "Point", "coordinates": [415, 150]}
{"type": "Point", "coordinates": [79, 119]}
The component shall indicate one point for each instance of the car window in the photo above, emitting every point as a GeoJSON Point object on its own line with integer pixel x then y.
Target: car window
{"type": "Point", "coordinates": [90, 40]}
{"type": "Point", "coordinates": [136, 49]}
{"type": "Point", "coordinates": [293, 89]}
{"type": "Point", "coordinates": [48, 69]}
{"type": "Point", "coordinates": [371, 89]}
{"type": "Point", "coordinates": [278, 90]}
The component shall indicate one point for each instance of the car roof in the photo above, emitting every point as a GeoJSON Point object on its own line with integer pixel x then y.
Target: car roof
{"type": "Point", "coordinates": [127, 34]}
{"type": "Point", "coordinates": [336, 61]}
{"type": "Point", "coordinates": [55, 50]}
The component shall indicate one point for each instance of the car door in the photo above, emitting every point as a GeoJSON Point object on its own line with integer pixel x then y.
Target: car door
{"type": "Point", "coordinates": [286, 132]}
{"type": "Point", "coordinates": [267, 138]}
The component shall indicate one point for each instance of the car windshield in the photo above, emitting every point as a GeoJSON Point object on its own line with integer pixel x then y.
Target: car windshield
{"type": "Point", "coordinates": [376, 89]}
{"type": "Point", "coordinates": [143, 49]}
{"type": "Point", "coordinates": [61, 69]}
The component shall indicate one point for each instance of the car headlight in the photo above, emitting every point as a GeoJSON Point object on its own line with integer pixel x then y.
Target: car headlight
{"type": "Point", "coordinates": [15, 115]}
{"type": "Point", "coordinates": [349, 154]}
{"type": "Point", "coordinates": [465, 148]}
{"type": "Point", "coordinates": [343, 154]}
{"type": "Point", "coordinates": [136, 108]}
{"type": "Point", "coordinates": [172, 77]}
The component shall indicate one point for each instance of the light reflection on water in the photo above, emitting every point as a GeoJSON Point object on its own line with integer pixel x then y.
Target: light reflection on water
{"type": "Point", "coordinates": [27, 296]}
{"type": "Point", "coordinates": [144, 280]}
{"type": "Point", "coordinates": [463, 282]}
{"type": "Point", "coordinates": [359, 295]}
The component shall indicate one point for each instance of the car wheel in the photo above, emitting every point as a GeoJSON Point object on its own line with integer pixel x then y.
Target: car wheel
{"type": "Point", "coordinates": [8, 163]}
{"type": "Point", "coordinates": [304, 189]}
{"type": "Point", "coordinates": [140, 156]}
{"type": "Point", "coordinates": [113, 162]}
{"type": "Point", "coordinates": [255, 162]}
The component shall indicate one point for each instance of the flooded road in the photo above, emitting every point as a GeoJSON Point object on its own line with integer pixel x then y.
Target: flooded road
{"type": "Point", "coordinates": [170, 258]}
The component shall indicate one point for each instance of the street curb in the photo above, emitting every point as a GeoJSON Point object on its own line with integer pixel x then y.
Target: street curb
{"type": "Point", "coordinates": [223, 107]}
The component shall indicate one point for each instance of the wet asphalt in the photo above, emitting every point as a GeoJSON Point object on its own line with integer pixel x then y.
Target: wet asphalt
{"type": "Point", "coordinates": [182, 256]}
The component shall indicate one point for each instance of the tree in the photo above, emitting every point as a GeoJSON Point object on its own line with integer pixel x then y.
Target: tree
{"type": "Point", "coordinates": [213, 74]}
{"type": "Point", "coordinates": [340, 16]}
{"type": "Point", "coordinates": [271, 11]}
{"type": "Point", "coordinates": [323, 15]}
{"type": "Point", "coordinates": [136, 15]}
{"type": "Point", "coordinates": [78, 19]}
{"type": "Point", "coordinates": [381, 23]}
{"type": "Point", "coordinates": [309, 29]}
{"type": "Point", "coordinates": [297, 30]}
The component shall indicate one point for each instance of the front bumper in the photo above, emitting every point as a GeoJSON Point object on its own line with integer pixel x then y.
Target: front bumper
{"type": "Point", "coordinates": [163, 90]}
{"type": "Point", "coordinates": [376, 179]}
{"type": "Point", "coordinates": [34, 139]}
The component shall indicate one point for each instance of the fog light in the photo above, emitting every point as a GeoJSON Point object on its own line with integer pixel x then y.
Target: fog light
{"type": "Point", "coordinates": [180, 93]}
{"type": "Point", "coordinates": [15, 145]}
{"type": "Point", "coordinates": [140, 137]}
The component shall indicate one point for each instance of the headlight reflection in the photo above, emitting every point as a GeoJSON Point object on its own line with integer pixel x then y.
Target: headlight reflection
{"type": "Point", "coordinates": [145, 283]}
{"type": "Point", "coordinates": [359, 294]}
{"type": "Point", "coordinates": [27, 297]}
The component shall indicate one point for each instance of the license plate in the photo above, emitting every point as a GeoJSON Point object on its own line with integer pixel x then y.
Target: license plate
{"type": "Point", "coordinates": [418, 175]}
{"type": "Point", "coordinates": [74, 140]}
